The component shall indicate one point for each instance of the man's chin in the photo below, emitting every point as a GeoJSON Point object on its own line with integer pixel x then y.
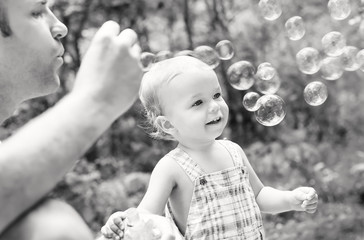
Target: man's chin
{"type": "Point", "coordinates": [48, 86]}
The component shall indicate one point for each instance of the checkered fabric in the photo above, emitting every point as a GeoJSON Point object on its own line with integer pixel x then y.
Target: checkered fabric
{"type": "Point", "coordinates": [223, 205]}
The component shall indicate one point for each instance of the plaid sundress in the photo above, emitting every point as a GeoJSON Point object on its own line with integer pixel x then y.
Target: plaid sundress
{"type": "Point", "coordinates": [223, 204]}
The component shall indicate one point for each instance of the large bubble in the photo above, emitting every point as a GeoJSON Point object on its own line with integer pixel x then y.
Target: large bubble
{"type": "Point", "coordinates": [270, 9]}
{"type": "Point", "coordinates": [308, 60]}
{"type": "Point", "coordinates": [348, 58]}
{"type": "Point", "coordinates": [333, 43]}
{"type": "Point", "coordinates": [339, 9]}
{"type": "Point", "coordinates": [272, 110]}
{"type": "Point", "coordinates": [266, 71]}
{"type": "Point", "coordinates": [147, 60]}
{"type": "Point", "coordinates": [331, 68]}
{"type": "Point", "coordinates": [208, 55]}
{"type": "Point", "coordinates": [225, 50]}
{"type": "Point", "coordinates": [295, 28]}
{"type": "Point", "coordinates": [250, 101]}
{"type": "Point", "coordinates": [315, 93]}
{"type": "Point", "coordinates": [241, 75]}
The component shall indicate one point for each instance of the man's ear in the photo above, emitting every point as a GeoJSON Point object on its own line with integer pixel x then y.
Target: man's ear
{"type": "Point", "coordinates": [164, 124]}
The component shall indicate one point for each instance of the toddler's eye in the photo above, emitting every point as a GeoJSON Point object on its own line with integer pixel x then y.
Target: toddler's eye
{"type": "Point", "coordinates": [197, 103]}
{"type": "Point", "coordinates": [217, 95]}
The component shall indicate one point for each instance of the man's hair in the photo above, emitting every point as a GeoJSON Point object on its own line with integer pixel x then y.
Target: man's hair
{"type": "Point", "coordinates": [160, 74]}
{"type": "Point", "coordinates": [4, 22]}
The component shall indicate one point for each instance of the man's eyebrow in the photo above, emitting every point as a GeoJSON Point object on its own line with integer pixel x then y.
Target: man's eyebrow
{"type": "Point", "coordinates": [43, 2]}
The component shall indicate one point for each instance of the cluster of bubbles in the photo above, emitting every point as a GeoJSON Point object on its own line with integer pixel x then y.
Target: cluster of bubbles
{"type": "Point", "coordinates": [336, 58]}
{"type": "Point", "coordinates": [270, 109]}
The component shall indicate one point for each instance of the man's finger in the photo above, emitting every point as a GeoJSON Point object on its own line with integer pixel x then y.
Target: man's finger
{"type": "Point", "coordinates": [107, 29]}
{"type": "Point", "coordinates": [128, 37]}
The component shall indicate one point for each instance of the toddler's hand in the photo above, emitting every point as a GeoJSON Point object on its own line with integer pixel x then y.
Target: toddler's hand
{"type": "Point", "coordinates": [138, 224]}
{"type": "Point", "coordinates": [304, 199]}
{"type": "Point", "coordinates": [114, 227]}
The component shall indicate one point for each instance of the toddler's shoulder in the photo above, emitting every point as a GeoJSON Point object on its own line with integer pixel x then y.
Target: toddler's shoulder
{"type": "Point", "coordinates": [231, 143]}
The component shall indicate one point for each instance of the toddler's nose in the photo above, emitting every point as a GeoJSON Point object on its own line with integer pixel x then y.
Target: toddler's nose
{"type": "Point", "coordinates": [214, 107]}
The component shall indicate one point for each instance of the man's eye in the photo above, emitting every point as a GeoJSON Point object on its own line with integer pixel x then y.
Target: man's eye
{"type": "Point", "coordinates": [217, 95]}
{"type": "Point", "coordinates": [197, 103]}
{"type": "Point", "coordinates": [37, 14]}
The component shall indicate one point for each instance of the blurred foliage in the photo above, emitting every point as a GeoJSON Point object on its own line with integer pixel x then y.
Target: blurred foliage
{"type": "Point", "coordinates": [319, 146]}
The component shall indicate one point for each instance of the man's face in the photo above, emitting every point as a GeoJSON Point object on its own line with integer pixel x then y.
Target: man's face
{"type": "Point", "coordinates": [31, 55]}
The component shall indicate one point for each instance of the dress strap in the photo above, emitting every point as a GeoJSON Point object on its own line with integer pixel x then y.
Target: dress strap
{"type": "Point", "coordinates": [191, 168]}
{"type": "Point", "coordinates": [233, 149]}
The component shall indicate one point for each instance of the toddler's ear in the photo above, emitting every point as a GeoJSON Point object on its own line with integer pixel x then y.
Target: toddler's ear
{"type": "Point", "coordinates": [164, 124]}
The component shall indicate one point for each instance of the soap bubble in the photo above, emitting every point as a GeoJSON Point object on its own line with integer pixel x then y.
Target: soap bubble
{"type": "Point", "coordinates": [268, 87]}
{"type": "Point", "coordinates": [348, 58]}
{"type": "Point", "coordinates": [308, 60]}
{"type": "Point", "coordinates": [272, 110]}
{"type": "Point", "coordinates": [270, 9]}
{"type": "Point", "coordinates": [241, 75]}
{"type": "Point", "coordinates": [225, 50]}
{"type": "Point", "coordinates": [147, 60]}
{"type": "Point", "coordinates": [361, 28]}
{"type": "Point", "coordinates": [266, 71]}
{"type": "Point", "coordinates": [208, 55]}
{"type": "Point", "coordinates": [295, 28]}
{"type": "Point", "coordinates": [339, 9]}
{"type": "Point", "coordinates": [185, 53]}
{"type": "Point", "coordinates": [315, 93]}
{"type": "Point", "coordinates": [333, 43]}
{"type": "Point", "coordinates": [163, 55]}
{"type": "Point", "coordinates": [250, 101]}
{"type": "Point", "coordinates": [331, 68]}
{"type": "Point", "coordinates": [360, 59]}
{"type": "Point", "coordinates": [140, 229]}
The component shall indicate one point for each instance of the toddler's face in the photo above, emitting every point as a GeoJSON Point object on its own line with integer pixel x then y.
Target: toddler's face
{"type": "Point", "coordinates": [193, 104]}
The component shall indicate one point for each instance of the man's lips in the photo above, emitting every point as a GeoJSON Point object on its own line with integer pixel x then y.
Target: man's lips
{"type": "Point", "coordinates": [60, 52]}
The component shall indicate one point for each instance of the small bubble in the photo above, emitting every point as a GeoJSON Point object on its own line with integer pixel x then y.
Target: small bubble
{"type": "Point", "coordinates": [331, 68]}
{"type": "Point", "coordinates": [268, 86]}
{"type": "Point", "coordinates": [270, 9]}
{"type": "Point", "coordinates": [250, 101]}
{"type": "Point", "coordinates": [348, 58]}
{"type": "Point", "coordinates": [208, 55]}
{"type": "Point", "coordinates": [295, 28]}
{"type": "Point", "coordinates": [333, 43]}
{"type": "Point", "coordinates": [315, 93]}
{"type": "Point", "coordinates": [241, 75]}
{"type": "Point", "coordinates": [339, 9]}
{"type": "Point", "coordinates": [308, 60]}
{"type": "Point", "coordinates": [225, 50]}
{"type": "Point", "coordinates": [266, 71]}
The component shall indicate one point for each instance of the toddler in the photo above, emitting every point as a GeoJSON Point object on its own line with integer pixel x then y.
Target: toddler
{"type": "Point", "coordinates": [206, 186]}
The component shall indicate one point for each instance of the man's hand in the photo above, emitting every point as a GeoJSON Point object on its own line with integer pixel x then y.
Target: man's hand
{"type": "Point", "coordinates": [110, 72]}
